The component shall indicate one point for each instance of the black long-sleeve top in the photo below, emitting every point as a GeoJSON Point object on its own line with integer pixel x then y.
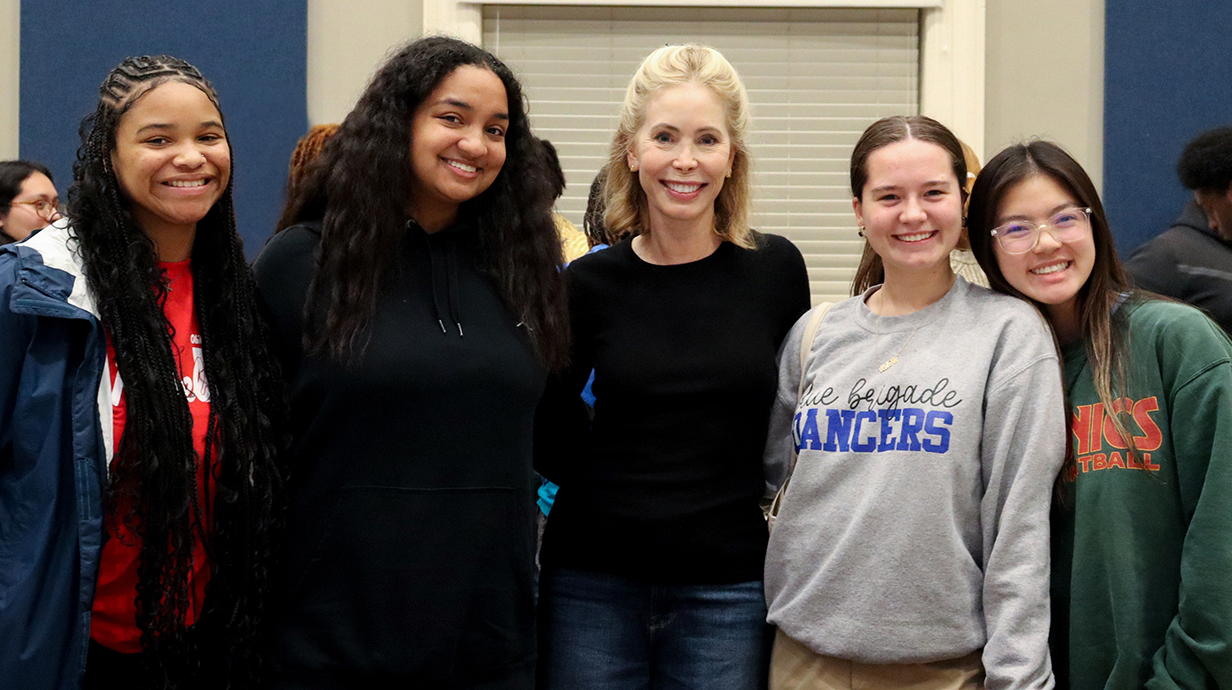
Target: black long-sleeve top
{"type": "Point", "coordinates": [665, 484]}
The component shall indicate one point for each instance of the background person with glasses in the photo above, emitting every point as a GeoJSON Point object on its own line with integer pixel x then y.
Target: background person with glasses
{"type": "Point", "coordinates": [28, 200]}
{"type": "Point", "coordinates": [1142, 529]}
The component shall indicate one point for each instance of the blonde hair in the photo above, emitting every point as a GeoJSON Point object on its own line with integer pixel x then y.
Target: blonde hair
{"type": "Point", "coordinates": [626, 211]}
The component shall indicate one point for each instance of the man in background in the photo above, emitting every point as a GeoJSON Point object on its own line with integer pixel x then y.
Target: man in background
{"type": "Point", "coordinates": [1192, 260]}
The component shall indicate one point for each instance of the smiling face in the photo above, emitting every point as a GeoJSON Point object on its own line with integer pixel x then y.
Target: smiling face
{"type": "Point", "coordinates": [23, 217]}
{"type": "Point", "coordinates": [457, 144]}
{"type": "Point", "coordinates": [172, 161]}
{"type": "Point", "coordinates": [1052, 273]}
{"type": "Point", "coordinates": [682, 154]}
{"type": "Point", "coordinates": [911, 208]}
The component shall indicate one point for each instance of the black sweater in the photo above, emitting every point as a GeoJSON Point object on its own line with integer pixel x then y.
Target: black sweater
{"type": "Point", "coordinates": [1189, 262]}
{"type": "Point", "coordinates": [665, 485]}
{"type": "Point", "coordinates": [410, 551]}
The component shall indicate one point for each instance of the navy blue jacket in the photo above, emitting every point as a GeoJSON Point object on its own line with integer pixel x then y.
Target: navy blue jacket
{"type": "Point", "coordinates": [53, 455]}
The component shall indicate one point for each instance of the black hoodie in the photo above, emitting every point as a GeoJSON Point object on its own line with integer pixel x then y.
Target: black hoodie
{"type": "Point", "coordinates": [410, 552]}
{"type": "Point", "coordinates": [1189, 262]}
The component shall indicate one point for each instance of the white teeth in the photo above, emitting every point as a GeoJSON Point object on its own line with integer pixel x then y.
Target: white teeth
{"type": "Point", "coordinates": [1051, 268]}
{"type": "Point", "coordinates": [916, 237]}
{"type": "Point", "coordinates": [187, 183]}
{"type": "Point", "coordinates": [463, 166]}
{"type": "Point", "coordinates": [682, 188]}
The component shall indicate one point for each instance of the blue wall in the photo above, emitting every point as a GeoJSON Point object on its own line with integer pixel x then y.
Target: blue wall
{"type": "Point", "coordinates": [255, 54]}
{"type": "Point", "coordinates": [1167, 76]}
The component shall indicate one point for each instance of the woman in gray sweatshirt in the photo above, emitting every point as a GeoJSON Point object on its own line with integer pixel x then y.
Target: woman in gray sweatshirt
{"type": "Point", "coordinates": [911, 547]}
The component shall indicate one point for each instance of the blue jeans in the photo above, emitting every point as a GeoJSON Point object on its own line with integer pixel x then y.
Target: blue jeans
{"type": "Point", "coordinates": [605, 632]}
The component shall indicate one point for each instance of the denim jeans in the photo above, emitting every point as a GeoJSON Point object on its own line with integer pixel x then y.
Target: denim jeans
{"type": "Point", "coordinates": [605, 632]}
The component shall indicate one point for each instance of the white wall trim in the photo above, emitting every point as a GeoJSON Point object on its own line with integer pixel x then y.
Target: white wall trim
{"type": "Point", "coordinates": [10, 78]}
{"type": "Point", "coordinates": [951, 45]}
{"type": "Point", "coordinates": [882, 4]}
{"type": "Point", "coordinates": [952, 68]}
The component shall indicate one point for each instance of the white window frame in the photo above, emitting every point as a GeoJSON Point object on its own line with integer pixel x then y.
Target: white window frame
{"type": "Point", "coordinates": [951, 45]}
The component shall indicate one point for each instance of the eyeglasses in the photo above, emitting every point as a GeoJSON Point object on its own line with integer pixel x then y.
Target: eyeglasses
{"type": "Point", "coordinates": [47, 210]}
{"type": "Point", "coordinates": [1021, 236]}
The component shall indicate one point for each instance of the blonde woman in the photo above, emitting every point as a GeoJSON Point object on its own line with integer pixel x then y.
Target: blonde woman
{"type": "Point", "coordinates": [653, 555]}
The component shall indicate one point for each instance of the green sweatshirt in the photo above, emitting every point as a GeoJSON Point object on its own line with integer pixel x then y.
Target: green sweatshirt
{"type": "Point", "coordinates": [1142, 546]}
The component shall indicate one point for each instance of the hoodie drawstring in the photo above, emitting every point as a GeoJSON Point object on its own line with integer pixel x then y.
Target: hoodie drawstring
{"type": "Point", "coordinates": [448, 256]}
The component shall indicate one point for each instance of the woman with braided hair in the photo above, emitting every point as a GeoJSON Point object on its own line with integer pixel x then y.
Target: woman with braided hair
{"type": "Point", "coordinates": [419, 308]}
{"type": "Point", "coordinates": [140, 409]}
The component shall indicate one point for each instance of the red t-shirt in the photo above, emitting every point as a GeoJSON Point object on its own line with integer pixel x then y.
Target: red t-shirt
{"type": "Point", "coordinates": [114, 619]}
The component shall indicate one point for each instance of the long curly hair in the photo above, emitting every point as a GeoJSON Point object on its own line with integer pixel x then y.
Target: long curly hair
{"type": "Point", "coordinates": [155, 466]}
{"type": "Point", "coordinates": [359, 192]}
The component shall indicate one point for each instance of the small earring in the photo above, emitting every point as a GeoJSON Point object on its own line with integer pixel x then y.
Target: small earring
{"type": "Point", "coordinates": [632, 168]}
{"type": "Point", "coordinates": [729, 173]}
{"type": "Point", "coordinates": [860, 232]}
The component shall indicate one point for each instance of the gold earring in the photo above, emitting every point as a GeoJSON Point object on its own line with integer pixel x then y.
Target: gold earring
{"type": "Point", "coordinates": [729, 173]}
{"type": "Point", "coordinates": [860, 232]}
{"type": "Point", "coordinates": [632, 167]}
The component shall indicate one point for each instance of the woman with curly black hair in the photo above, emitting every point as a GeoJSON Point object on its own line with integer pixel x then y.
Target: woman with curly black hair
{"type": "Point", "coordinates": [419, 308]}
{"type": "Point", "coordinates": [140, 408]}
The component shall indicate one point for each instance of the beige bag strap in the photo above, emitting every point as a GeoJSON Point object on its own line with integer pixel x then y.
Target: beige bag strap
{"type": "Point", "coordinates": [806, 345]}
{"type": "Point", "coordinates": [806, 348]}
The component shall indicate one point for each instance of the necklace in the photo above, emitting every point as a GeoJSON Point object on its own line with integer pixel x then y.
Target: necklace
{"type": "Point", "coordinates": [893, 360]}
{"type": "Point", "coordinates": [877, 343]}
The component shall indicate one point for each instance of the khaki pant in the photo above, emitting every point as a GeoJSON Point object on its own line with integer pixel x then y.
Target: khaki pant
{"type": "Point", "coordinates": [796, 667]}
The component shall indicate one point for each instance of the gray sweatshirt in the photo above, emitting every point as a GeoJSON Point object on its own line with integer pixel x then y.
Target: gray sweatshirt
{"type": "Point", "coordinates": [915, 525]}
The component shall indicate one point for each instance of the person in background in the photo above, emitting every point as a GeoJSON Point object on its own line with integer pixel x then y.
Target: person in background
{"type": "Point", "coordinates": [419, 307]}
{"type": "Point", "coordinates": [572, 242]}
{"type": "Point", "coordinates": [962, 261]}
{"type": "Point", "coordinates": [911, 545]}
{"type": "Point", "coordinates": [596, 240]}
{"type": "Point", "coordinates": [307, 149]}
{"type": "Point", "coordinates": [592, 222]}
{"type": "Point", "coordinates": [1192, 260]}
{"type": "Point", "coordinates": [653, 554]}
{"type": "Point", "coordinates": [1142, 520]}
{"type": "Point", "coordinates": [28, 200]}
{"type": "Point", "coordinates": [141, 410]}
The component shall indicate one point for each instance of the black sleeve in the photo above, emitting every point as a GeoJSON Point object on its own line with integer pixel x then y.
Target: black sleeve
{"type": "Point", "coordinates": [283, 271]}
{"type": "Point", "coordinates": [1153, 267]}
{"type": "Point", "coordinates": [794, 279]}
{"type": "Point", "coordinates": [562, 420]}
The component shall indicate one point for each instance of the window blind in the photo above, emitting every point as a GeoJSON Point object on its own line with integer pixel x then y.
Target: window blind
{"type": "Point", "coordinates": [816, 79]}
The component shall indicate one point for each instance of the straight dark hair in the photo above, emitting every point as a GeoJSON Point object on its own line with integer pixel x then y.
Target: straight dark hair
{"type": "Point", "coordinates": [359, 191]}
{"type": "Point", "coordinates": [1104, 332]}
{"type": "Point", "coordinates": [883, 132]}
{"type": "Point", "coordinates": [13, 175]}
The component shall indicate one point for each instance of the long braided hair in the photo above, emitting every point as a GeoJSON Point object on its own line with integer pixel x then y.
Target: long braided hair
{"type": "Point", "coordinates": [359, 189]}
{"type": "Point", "coordinates": [155, 468]}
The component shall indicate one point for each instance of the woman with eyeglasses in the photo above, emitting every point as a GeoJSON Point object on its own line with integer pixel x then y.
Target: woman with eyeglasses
{"type": "Point", "coordinates": [28, 200]}
{"type": "Point", "coordinates": [911, 545]}
{"type": "Point", "coordinates": [1142, 524]}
